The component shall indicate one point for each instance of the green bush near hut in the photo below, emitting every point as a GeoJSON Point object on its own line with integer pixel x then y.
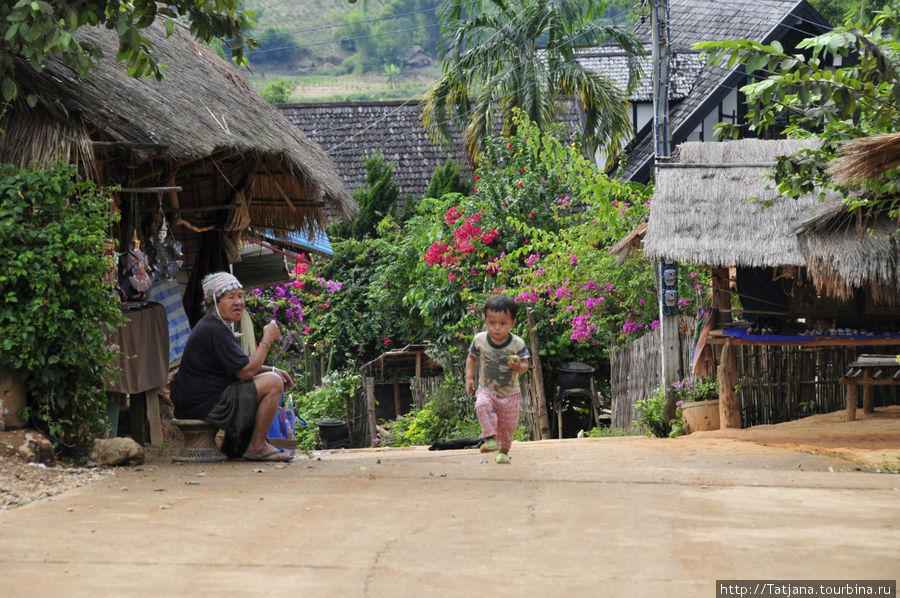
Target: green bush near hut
{"type": "Point", "coordinates": [58, 310]}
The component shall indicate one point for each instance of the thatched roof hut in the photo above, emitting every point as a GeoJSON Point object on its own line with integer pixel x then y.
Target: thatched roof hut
{"type": "Point", "coordinates": [714, 205]}
{"type": "Point", "coordinates": [848, 250]}
{"type": "Point", "coordinates": [203, 129]}
{"type": "Point", "coordinates": [709, 207]}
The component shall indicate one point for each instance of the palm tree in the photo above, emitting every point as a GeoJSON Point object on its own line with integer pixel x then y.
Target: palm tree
{"type": "Point", "coordinates": [521, 53]}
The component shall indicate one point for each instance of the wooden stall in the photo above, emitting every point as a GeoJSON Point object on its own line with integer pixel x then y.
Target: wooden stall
{"type": "Point", "coordinates": [200, 151]}
{"type": "Point", "coordinates": [801, 270]}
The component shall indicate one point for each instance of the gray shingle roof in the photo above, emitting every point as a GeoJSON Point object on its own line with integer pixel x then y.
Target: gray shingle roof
{"type": "Point", "coordinates": [611, 61]}
{"type": "Point", "coordinates": [692, 21]}
{"type": "Point", "coordinates": [349, 132]}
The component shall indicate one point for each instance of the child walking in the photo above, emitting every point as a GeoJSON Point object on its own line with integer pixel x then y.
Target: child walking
{"type": "Point", "coordinates": [499, 357]}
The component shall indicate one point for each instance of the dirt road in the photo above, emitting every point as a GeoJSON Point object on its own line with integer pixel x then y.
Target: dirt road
{"type": "Point", "coordinates": [581, 517]}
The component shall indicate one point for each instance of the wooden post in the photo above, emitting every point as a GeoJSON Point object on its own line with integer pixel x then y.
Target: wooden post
{"type": "Point", "coordinates": [418, 365]}
{"type": "Point", "coordinates": [868, 394]}
{"type": "Point", "coordinates": [396, 392]}
{"type": "Point", "coordinates": [370, 407]}
{"type": "Point", "coordinates": [721, 283]}
{"type": "Point", "coordinates": [852, 397]}
{"type": "Point", "coordinates": [156, 435]}
{"type": "Point", "coordinates": [538, 377]}
{"type": "Point", "coordinates": [729, 410]}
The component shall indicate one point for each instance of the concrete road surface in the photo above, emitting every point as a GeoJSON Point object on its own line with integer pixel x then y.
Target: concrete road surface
{"type": "Point", "coordinates": [580, 517]}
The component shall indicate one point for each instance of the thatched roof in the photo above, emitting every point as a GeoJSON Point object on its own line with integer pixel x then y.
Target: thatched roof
{"type": "Point", "coordinates": [866, 157]}
{"type": "Point", "coordinates": [203, 122]}
{"type": "Point", "coordinates": [846, 251]}
{"type": "Point", "coordinates": [702, 211]}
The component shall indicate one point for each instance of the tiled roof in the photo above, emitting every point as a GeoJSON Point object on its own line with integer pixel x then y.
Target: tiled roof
{"type": "Point", "coordinates": [349, 132]}
{"type": "Point", "coordinates": [692, 21]}
{"type": "Point", "coordinates": [611, 61]}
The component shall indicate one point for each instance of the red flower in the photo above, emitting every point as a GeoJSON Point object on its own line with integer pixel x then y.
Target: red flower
{"type": "Point", "coordinates": [523, 169]}
{"type": "Point", "coordinates": [509, 145]}
{"type": "Point", "coordinates": [531, 213]}
{"type": "Point", "coordinates": [477, 177]}
{"type": "Point", "coordinates": [505, 204]}
{"type": "Point", "coordinates": [521, 185]}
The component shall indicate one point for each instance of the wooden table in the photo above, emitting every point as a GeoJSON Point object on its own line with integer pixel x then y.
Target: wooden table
{"type": "Point", "coordinates": [868, 371]}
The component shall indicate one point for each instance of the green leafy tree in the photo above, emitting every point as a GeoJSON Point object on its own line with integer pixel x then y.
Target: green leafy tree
{"type": "Point", "coordinates": [278, 92]}
{"type": "Point", "coordinates": [800, 95]}
{"type": "Point", "coordinates": [377, 198]}
{"type": "Point", "coordinates": [36, 29]}
{"type": "Point", "coordinates": [521, 54]}
{"type": "Point", "coordinates": [58, 309]}
{"type": "Point", "coordinates": [447, 179]}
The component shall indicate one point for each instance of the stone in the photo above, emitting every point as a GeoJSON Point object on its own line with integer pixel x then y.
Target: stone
{"type": "Point", "coordinates": [37, 448]}
{"type": "Point", "coordinates": [114, 451]}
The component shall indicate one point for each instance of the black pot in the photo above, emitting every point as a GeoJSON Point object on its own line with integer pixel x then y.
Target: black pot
{"type": "Point", "coordinates": [574, 374]}
{"type": "Point", "coordinates": [334, 433]}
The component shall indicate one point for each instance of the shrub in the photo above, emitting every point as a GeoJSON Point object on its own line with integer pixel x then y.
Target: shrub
{"type": "Point", "coordinates": [328, 400]}
{"type": "Point", "coordinates": [58, 309]}
{"type": "Point", "coordinates": [652, 416]}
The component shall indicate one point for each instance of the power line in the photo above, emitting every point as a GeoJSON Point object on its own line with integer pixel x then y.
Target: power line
{"type": "Point", "coordinates": [352, 23]}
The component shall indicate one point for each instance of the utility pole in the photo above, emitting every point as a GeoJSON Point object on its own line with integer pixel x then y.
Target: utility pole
{"type": "Point", "coordinates": [667, 273]}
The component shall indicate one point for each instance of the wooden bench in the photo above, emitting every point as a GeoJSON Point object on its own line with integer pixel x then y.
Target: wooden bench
{"type": "Point", "coordinates": [199, 442]}
{"type": "Point", "coordinates": [867, 371]}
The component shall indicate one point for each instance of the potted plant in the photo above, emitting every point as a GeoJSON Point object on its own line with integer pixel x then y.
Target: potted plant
{"type": "Point", "coordinates": [699, 403]}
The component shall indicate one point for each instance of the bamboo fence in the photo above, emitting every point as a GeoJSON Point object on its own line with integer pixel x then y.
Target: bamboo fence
{"type": "Point", "coordinates": [775, 383]}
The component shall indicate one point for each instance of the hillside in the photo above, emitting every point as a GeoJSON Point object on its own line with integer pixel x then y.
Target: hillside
{"type": "Point", "coordinates": [332, 50]}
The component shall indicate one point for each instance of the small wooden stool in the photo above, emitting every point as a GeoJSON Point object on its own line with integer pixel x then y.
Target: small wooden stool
{"type": "Point", "coordinates": [199, 442]}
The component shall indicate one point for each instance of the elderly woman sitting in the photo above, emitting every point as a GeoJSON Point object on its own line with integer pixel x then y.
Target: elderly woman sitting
{"type": "Point", "coordinates": [218, 383]}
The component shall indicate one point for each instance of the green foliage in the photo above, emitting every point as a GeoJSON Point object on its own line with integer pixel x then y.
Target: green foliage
{"type": "Point", "coordinates": [277, 50]}
{"type": "Point", "coordinates": [688, 390]}
{"type": "Point", "coordinates": [278, 92]}
{"type": "Point", "coordinates": [448, 415]}
{"type": "Point", "coordinates": [328, 400]}
{"type": "Point", "coordinates": [651, 416]}
{"type": "Point", "coordinates": [377, 198]}
{"type": "Point", "coordinates": [36, 29]}
{"type": "Point", "coordinates": [521, 54]}
{"type": "Point", "coordinates": [58, 309]}
{"type": "Point", "coordinates": [858, 99]}
{"type": "Point", "coordinates": [608, 432]}
{"type": "Point", "coordinates": [447, 179]}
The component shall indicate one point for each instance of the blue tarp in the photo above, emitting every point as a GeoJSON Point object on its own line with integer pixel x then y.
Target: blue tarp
{"type": "Point", "coordinates": [300, 242]}
{"type": "Point", "coordinates": [796, 338]}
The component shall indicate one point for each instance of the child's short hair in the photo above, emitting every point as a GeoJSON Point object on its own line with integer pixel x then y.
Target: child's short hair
{"type": "Point", "coordinates": [502, 303]}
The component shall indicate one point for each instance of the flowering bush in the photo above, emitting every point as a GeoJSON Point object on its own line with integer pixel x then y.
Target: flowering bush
{"type": "Point", "coordinates": [689, 390]}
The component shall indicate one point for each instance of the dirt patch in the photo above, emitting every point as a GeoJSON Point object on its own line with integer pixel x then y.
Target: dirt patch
{"type": "Point", "coordinates": [870, 440]}
{"type": "Point", "coordinates": [22, 482]}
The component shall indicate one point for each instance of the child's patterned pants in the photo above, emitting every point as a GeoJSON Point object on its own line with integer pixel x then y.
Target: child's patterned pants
{"type": "Point", "coordinates": [498, 416]}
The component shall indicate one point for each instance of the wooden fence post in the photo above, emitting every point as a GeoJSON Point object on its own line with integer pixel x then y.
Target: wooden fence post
{"type": "Point", "coordinates": [538, 377]}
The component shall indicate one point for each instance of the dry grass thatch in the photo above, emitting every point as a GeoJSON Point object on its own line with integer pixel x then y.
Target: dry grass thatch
{"type": "Point", "coordinates": [866, 158]}
{"type": "Point", "coordinates": [202, 109]}
{"type": "Point", "coordinates": [705, 214]}
{"type": "Point", "coordinates": [848, 251]}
